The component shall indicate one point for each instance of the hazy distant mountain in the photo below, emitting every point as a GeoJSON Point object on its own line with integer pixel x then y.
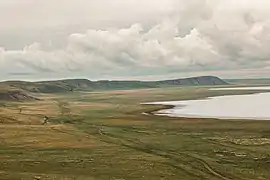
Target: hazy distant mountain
{"type": "Point", "coordinates": [70, 85]}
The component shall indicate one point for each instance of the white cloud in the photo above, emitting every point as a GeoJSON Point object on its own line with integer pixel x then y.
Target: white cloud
{"type": "Point", "coordinates": [194, 36]}
{"type": "Point", "coordinates": [117, 50]}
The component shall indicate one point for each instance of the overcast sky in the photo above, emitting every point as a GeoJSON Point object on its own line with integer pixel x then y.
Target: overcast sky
{"type": "Point", "coordinates": [134, 39]}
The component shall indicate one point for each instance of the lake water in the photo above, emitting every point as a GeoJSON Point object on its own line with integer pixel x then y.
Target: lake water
{"type": "Point", "coordinates": [253, 106]}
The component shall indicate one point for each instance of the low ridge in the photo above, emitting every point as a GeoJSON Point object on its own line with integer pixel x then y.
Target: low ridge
{"type": "Point", "coordinates": [15, 95]}
{"type": "Point", "coordinates": [70, 85]}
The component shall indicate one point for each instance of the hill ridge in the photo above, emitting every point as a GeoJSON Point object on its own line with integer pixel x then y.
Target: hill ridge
{"type": "Point", "coordinates": [70, 85]}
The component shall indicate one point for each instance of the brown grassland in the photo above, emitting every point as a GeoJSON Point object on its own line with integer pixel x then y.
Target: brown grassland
{"type": "Point", "coordinates": [104, 135]}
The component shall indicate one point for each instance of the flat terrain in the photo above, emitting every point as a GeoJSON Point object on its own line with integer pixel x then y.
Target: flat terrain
{"type": "Point", "coordinates": [104, 135]}
{"type": "Point", "coordinates": [254, 82]}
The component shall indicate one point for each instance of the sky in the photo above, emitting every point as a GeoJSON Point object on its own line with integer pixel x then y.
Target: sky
{"type": "Point", "coordinates": [134, 39]}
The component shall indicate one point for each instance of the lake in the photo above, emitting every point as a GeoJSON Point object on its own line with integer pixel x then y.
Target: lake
{"type": "Point", "coordinates": [252, 106]}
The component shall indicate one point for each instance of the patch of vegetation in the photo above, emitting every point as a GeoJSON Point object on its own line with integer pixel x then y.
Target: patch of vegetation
{"type": "Point", "coordinates": [104, 135]}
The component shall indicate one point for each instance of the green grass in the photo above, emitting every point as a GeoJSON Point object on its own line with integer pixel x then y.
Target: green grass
{"type": "Point", "coordinates": [104, 135]}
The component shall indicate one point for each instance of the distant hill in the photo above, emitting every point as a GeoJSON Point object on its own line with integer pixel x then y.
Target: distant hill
{"type": "Point", "coordinates": [70, 85]}
{"type": "Point", "coordinates": [194, 81]}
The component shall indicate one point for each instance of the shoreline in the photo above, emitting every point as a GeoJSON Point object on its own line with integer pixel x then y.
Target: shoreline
{"type": "Point", "coordinates": [165, 107]}
{"type": "Point", "coordinates": [161, 111]}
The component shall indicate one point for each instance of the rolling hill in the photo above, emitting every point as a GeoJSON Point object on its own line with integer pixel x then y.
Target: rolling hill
{"type": "Point", "coordinates": [18, 90]}
{"type": "Point", "coordinates": [15, 95]}
{"type": "Point", "coordinates": [70, 85]}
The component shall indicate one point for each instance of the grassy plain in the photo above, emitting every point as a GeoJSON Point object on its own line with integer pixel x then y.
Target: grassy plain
{"type": "Point", "coordinates": [104, 135]}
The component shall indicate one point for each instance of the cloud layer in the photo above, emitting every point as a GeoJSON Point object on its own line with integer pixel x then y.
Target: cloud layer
{"type": "Point", "coordinates": [197, 36]}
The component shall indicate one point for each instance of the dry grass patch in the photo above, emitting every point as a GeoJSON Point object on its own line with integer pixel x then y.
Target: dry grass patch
{"type": "Point", "coordinates": [28, 113]}
{"type": "Point", "coordinates": [48, 108]}
{"type": "Point", "coordinates": [47, 96]}
{"type": "Point", "coordinates": [51, 136]}
{"type": "Point", "coordinates": [136, 91]}
{"type": "Point", "coordinates": [79, 107]}
{"type": "Point", "coordinates": [125, 122]}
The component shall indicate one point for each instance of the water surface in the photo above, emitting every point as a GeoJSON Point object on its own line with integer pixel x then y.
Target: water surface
{"type": "Point", "coordinates": [253, 106]}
